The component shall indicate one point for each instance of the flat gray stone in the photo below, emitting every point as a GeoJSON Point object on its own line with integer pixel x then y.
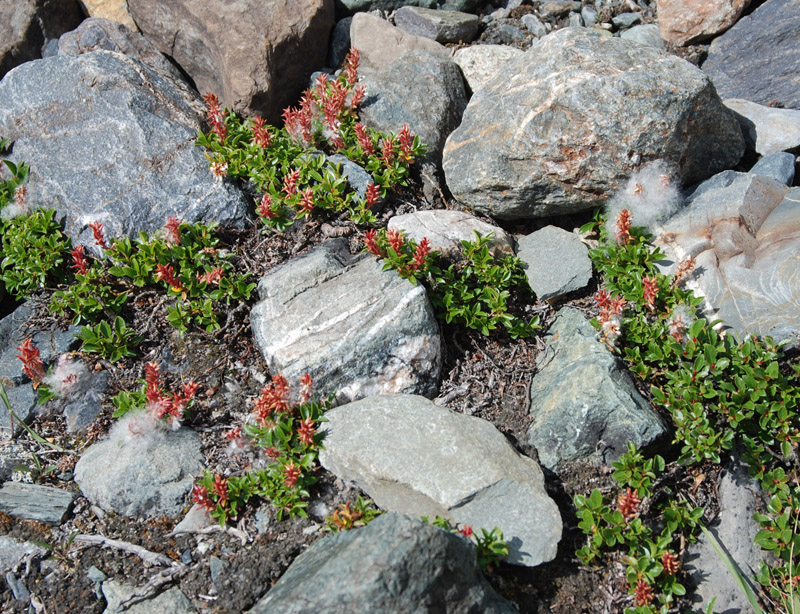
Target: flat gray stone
{"type": "Point", "coordinates": [171, 601]}
{"type": "Point", "coordinates": [348, 7]}
{"type": "Point", "coordinates": [583, 402]}
{"type": "Point", "coordinates": [446, 230]}
{"type": "Point", "coordinates": [394, 564]}
{"type": "Point", "coordinates": [443, 463]}
{"type": "Point", "coordinates": [441, 26]}
{"type": "Point", "coordinates": [141, 475]}
{"type": "Point", "coordinates": [13, 552]}
{"type": "Point", "coordinates": [626, 20]}
{"type": "Point", "coordinates": [767, 130]}
{"type": "Point", "coordinates": [480, 63]}
{"type": "Point", "coordinates": [34, 502]}
{"type": "Point", "coordinates": [540, 250]}
{"type": "Point", "coordinates": [646, 34]}
{"type": "Point", "coordinates": [778, 166]}
{"type": "Point", "coordinates": [357, 330]}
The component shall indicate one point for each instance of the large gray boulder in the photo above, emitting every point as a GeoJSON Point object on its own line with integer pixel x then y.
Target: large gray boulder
{"type": "Point", "coordinates": [767, 130]}
{"type": "Point", "coordinates": [111, 140]}
{"type": "Point", "coordinates": [583, 402]}
{"type": "Point", "coordinates": [256, 55]}
{"type": "Point", "coordinates": [420, 89]}
{"type": "Point", "coordinates": [26, 26]}
{"type": "Point", "coordinates": [441, 26]}
{"type": "Point", "coordinates": [394, 564]}
{"type": "Point", "coordinates": [357, 330]}
{"type": "Point", "coordinates": [559, 128]}
{"type": "Point", "coordinates": [743, 230]}
{"type": "Point", "coordinates": [758, 59]}
{"type": "Point", "coordinates": [414, 457]}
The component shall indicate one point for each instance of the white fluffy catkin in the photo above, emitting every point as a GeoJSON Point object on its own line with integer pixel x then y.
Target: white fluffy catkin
{"type": "Point", "coordinates": [650, 194]}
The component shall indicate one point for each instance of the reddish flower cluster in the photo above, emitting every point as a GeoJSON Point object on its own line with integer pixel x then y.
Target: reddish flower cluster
{"type": "Point", "coordinates": [643, 593]}
{"type": "Point", "coordinates": [670, 563]}
{"type": "Point", "coordinates": [364, 139]}
{"type": "Point", "coordinates": [272, 453]}
{"type": "Point", "coordinates": [387, 151]}
{"type": "Point", "coordinates": [421, 255]}
{"type": "Point", "coordinates": [216, 117]}
{"type": "Point", "coordinates": [624, 222]}
{"type": "Point", "coordinates": [32, 364]}
{"type": "Point", "coordinates": [373, 195]}
{"type": "Point", "coordinates": [163, 404]}
{"type": "Point", "coordinates": [351, 65]}
{"type": "Point", "coordinates": [290, 183]}
{"type": "Point", "coordinates": [79, 260]}
{"type": "Point", "coordinates": [211, 277]}
{"type": "Point", "coordinates": [221, 490]}
{"type": "Point", "coordinates": [298, 122]}
{"type": "Point", "coordinates": [628, 503]}
{"type": "Point", "coordinates": [291, 473]}
{"type": "Point", "coordinates": [333, 103]}
{"type": "Point", "coordinates": [395, 239]}
{"type": "Point", "coordinates": [307, 200]}
{"type": "Point", "coordinates": [685, 269]}
{"type": "Point", "coordinates": [20, 193]}
{"type": "Point", "coordinates": [305, 388]}
{"type": "Point", "coordinates": [466, 531]}
{"type": "Point", "coordinates": [264, 208]}
{"type": "Point", "coordinates": [261, 134]}
{"type": "Point", "coordinates": [274, 397]}
{"type": "Point", "coordinates": [166, 273]}
{"type": "Point", "coordinates": [306, 431]}
{"type": "Point", "coordinates": [97, 233]}
{"type": "Point", "coordinates": [649, 291]}
{"type": "Point", "coordinates": [173, 228]}
{"type": "Point", "coordinates": [201, 497]}
{"type": "Point", "coordinates": [406, 140]}
{"type": "Point", "coordinates": [609, 306]}
{"type": "Point", "coordinates": [372, 244]}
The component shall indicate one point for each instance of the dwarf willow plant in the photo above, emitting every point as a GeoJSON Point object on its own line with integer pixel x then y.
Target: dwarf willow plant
{"type": "Point", "coordinates": [289, 167]}
{"type": "Point", "coordinates": [722, 393]}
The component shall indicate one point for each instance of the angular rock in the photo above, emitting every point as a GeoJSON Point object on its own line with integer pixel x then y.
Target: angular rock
{"type": "Point", "coordinates": [647, 34]}
{"type": "Point", "coordinates": [83, 404]}
{"type": "Point", "coordinates": [767, 130]}
{"type": "Point", "coordinates": [147, 474]}
{"type": "Point", "coordinates": [744, 232]}
{"type": "Point", "coordinates": [686, 22]}
{"type": "Point", "coordinates": [559, 128]}
{"type": "Point", "coordinates": [625, 20]}
{"type": "Point", "coordinates": [443, 463]}
{"type": "Point", "coordinates": [394, 564]}
{"type": "Point", "coordinates": [12, 552]}
{"type": "Point", "coordinates": [540, 250]}
{"type": "Point", "coordinates": [553, 9]}
{"type": "Point", "coordinates": [340, 42]}
{"type": "Point", "coordinates": [758, 59]}
{"type": "Point", "coordinates": [739, 498]}
{"type": "Point", "coordinates": [11, 455]}
{"type": "Point", "coordinates": [26, 27]}
{"type": "Point", "coordinates": [420, 89]}
{"type": "Point", "coordinates": [381, 43]}
{"type": "Point", "coordinates": [357, 330]}
{"type": "Point", "coordinates": [256, 57]}
{"type": "Point", "coordinates": [583, 402]}
{"type": "Point", "coordinates": [779, 166]}
{"type": "Point", "coordinates": [171, 601]}
{"type": "Point", "coordinates": [58, 111]}
{"type": "Point", "coordinates": [480, 63]}
{"type": "Point", "coordinates": [447, 229]}
{"type": "Point", "coordinates": [441, 26]}
{"type": "Point", "coordinates": [575, 20]}
{"type": "Point", "coordinates": [113, 10]}
{"type": "Point", "coordinates": [534, 25]}
{"type": "Point", "coordinates": [33, 502]}
{"type": "Point", "coordinates": [349, 7]}
{"type": "Point", "coordinates": [96, 34]}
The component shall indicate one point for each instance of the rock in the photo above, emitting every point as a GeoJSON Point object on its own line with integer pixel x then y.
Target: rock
{"type": "Point", "coordinates": [394, 564]}
{"type": "Point", "coordinates": [441, 26]}
{"type": "Point", "coordinates": [33, 502]}
{"type": "Point", "coordinates": [583, 402]}
{"type": "Point", "coordinates": [589, 15]}
{"type": "Point", "coordinates": [503, 33]}
{"type": "Point", "coordinates": [58, 110]}
{"type": "Point", "coordinates": [735, 531]}
{"type": "Point", "coordinates": [534, 25]}
{"type": "Point", "coordinates": [625, 20]}
{"type": "Point", "coordinates": [11, 455]}
{"type": "Point", "coordinates": [381, 43]}
{"type": "Point", "coordinates": [356, 330]}
{"type": "Point", "coordinates": [744, 232]}
{"type": "Point", "coordinates": [420, 89]}
{"type": "Point", "coordinates": [758, 59]}
{"type": "Point", "coordinates": [575, 20]}
{"type": "Point", "coordinates": [445, 464]}
{"type": "Point", "coordinates": [553, 9]}
{"type": "Point", "coordinates": [447, 229]}
{"type": "Point", "coordinates": [647, 34]}
{"type": "Point", "coordinates": [340, 42]}
{"type": "Point", "coordinates": [96, 34]}
{"type": "Point", "coordinates": [480, 63]}
{"type": "Point", "coordinates": [256, 57]}
{"type": "Point", "coordinates": [145, 474]}
{"type": "Point", "coordinates": [350, 7]}
{"type": "Point", "coordinates": [541, 249]}
{"type": "Point", "coordinates": [544, 137]}
{"type": "Point", "coordinates": [113, 10]}
{"type": "Point", "coordinates": [195, 520]}
{"type": "Point", "coordinates": [779, 166]}
{"type": "Point", "coordinates": [25, 404]}
{"type": "Point", "coordinates": [84, 402]}
{"type": "Point", "coordinates": [767, 130]}
{"type": "Point", "coordinates": [171, 600]}
{"type": "Point", "coordinates": [18, 588]}
{"type": "Point", "coordinates": [27, 26]}
{"type": "Point", "coordinates": [13, 552]}
{"type": "Point", "coordinates": [686, 22]}
{"type": "Point", "coordinates": [356, 176]}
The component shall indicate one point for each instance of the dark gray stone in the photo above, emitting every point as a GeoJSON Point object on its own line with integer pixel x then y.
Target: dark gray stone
{"type": "Point", "coordinates": [534, 25]}
{"type": "Point", "coordinates": [779, 166]}
{"type": "Point", "coordinates": [357, 330]}
{"type": "Point", "coordinates": [18, 588]}
{"type": "Point", "coordinates": [553, 9]}
{"type": "Point", "coordinates": [34, 502]}
{"type": "Point", "coordinates": [349, 7]}
{"type": "Point", "coordinates": [758, 59]}
{"type": "Point", "coordinates": [13, 552]}
{"type": "Point", "coordinates": [96, 34]}
{"type": "Point", "coordinates": [27, 26]}
{"type": "Point", "coordinates": [356, 176]}
{"type": "Point", "coordinates": [420, 89]}
{"type": "Point", "coordinates": [441, 26]}
{"type": "Point", "coordinates": [25, 405]}
{"type": "Point", "coordinates": [541, 249]}
{"type": "Point", "coordinates": [113, 141]}
{"type": "Point", "coordinates": [583, 402]}
{"type": "Point", "coordinates": [448, 464]}
{"type": "Point", "coordinates": [626, 20]}
{"type": "Point", "coordinates": [561, 127]}
{"type": "Point", "coordinates": [84, 402]}
{"type": "Point", "coordinates": [340, 42]}
{"type": "Point", "coordinates": [394, 564]}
